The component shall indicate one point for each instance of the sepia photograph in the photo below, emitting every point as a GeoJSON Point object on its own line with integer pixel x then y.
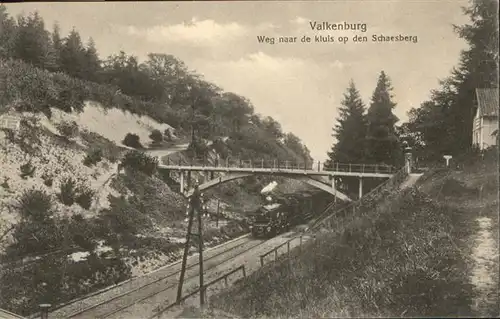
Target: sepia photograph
{"type": "Point", "coordinates": [249, 159]}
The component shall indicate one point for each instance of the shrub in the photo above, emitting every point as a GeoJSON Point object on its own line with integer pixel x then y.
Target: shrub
{"type": "Point", "coordinates": [70, 98]}
{"type": "Point", "coordinates": [5, 183]}
{"type": "Point", "coordinates": [93, 157]}
{"type": "Point", "coordinates": [27, 170]}
{"type": "Point", "coordinates": [82, 231]}
{"type": "Point", "coordinates": [132, 140]}
{"type": "Point", "coordinates": [68, 191]}
{"type": "Point", "coordinates": [122, 217]}
{"type": "Point", "coordinates": [168, 135]}
{"type": "Point", "coordinates": [35, 204]}
{"type": "Point", "coordinates": [28, 136]}
{"type": "Point", "coordinates": [22, 284]}
{"type": "Point", "coordinates": [138, 161]}
{"type": "Point", "coordinates": [156, 136]}
{"type": "Point", "coordinates": [48, 179]}
{"type": "Point", "coordinates": [84, 197]}
{"type": "Point", "coordinates": [68, 129]}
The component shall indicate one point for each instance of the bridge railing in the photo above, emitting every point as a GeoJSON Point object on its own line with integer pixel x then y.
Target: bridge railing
{"type": "Point", "coordinates": [361, 168]}
{"type": "Point", "coordinates": [283, 165]}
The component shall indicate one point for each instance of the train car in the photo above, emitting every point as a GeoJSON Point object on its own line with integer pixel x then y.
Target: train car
{"type": "Point", "coordinates": [283, 212]}
{"type": "Point", "coordinates": [270, 220]}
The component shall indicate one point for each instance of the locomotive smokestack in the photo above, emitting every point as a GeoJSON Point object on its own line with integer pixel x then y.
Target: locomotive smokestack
{"type": "Point", "coordinates": [269, 188]}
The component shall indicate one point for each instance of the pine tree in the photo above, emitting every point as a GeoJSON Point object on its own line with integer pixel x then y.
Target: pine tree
{"type": "Point", "coordinates": [382, 143]}
{"type": "Point", "coordinates": [7, 33]}
{"type": "Point", "coordinates": [350, 133]}
{"type": "Point", "coordinates": [350, 130]}
{"type": "Point", "coordinates": [92, 62]}
{"type": "Point", "coordinates": [72, 55]}
{"type": "Point", "coordinates": [57, 44]}
{"type": "Point", "coordinates": [32, 43]}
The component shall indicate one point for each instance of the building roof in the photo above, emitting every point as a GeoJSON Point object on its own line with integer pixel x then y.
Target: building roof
{"type": "Point", "coordinates": [487, 101]}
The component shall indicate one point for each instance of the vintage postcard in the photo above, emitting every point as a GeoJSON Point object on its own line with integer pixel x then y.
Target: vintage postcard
{"type": "Point", "coordinates": [249, 159]}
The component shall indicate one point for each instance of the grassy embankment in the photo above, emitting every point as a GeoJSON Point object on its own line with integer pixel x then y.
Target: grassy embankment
{"type": "Point", "coordinates": [410, 256]}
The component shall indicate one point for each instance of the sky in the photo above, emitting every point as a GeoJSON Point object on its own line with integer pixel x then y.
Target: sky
{"type": "Point", "coordinates": [299, 84]}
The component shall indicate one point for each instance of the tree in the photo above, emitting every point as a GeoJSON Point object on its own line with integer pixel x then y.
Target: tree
{"type": "Point", "coordinates": [72, 55]}
{"type": "Point", "coordinates": [412, 139]}
{"type": "Point", "coordinates": [478, 67]}
{"type": "Point", "coordinates": [350, 134]}
{"type": "Point", "coordinates": [140, 162]}
{"type": "Point", "coordinates": [7, 33]}
{"type": "Point", "coordinates": [272, 127]}
{"type": "Point", "coordinates": [92, 64]}
{"type": "Point", "coordinates": [234, 111]}
{"type": "Point", "coordinates": [57, 44]}
{"type": "Point", "coordinates": [433, 123]}
{"type": "Point", "coordinates": [294, 143]}
{"type": "Point", "coordinates": [32, 42]}
{"type": "Point", "coordinates": [165, 71]}
{"type": "Point", "coordinates": [171, 78]}
{"type": "Point", "coordinates": [382, 143]}
{"type": "Point", "coordinates": [445, 121]}
{"type": "Point", "coordinates": [350, 130]}
{"type": "Point", "coordinates": [124, 71]}
{"type": "Point", "coordinates": [132, 140]}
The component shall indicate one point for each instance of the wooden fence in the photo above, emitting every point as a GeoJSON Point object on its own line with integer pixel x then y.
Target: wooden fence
{"type": "Point", "coordinates": [275, 249]}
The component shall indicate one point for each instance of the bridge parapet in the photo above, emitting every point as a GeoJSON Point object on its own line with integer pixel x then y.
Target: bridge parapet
{"type": "Point", "coordinates": [283, 165]}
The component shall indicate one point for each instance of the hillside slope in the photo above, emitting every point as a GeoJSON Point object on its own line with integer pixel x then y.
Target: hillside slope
{"type": "Point", "coordinates": [408, 257]}
{"type": "Point", "coordinates": [112, 124]}
{"type": "Point", "coordinates": [56, 158]}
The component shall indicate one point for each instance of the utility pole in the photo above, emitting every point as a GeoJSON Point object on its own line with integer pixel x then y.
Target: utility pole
{"type": "Point", "coordinates": [200, 255]}
{"type": "Point", "coordinates": [186, 247]}
{"type": "Point", "coordinates": [218, 205]}
{"type": "Point", "coordinates": [192, 125]}
{"type": "Point", "coordinates": [193, 106]}
{"type": "Point", "coordinates": [195, 205]}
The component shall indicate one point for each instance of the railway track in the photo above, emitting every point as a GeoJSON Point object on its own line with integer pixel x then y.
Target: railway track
{"type": "Point", "coordinates": [143, 288]}
{"type": "Point", "coordinates": [157, 306]}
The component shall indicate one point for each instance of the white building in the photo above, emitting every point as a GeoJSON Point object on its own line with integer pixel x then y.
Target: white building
{"type": "Point", "coordinates": [485, 125]}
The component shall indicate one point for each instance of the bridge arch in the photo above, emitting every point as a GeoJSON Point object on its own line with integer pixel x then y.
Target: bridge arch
{"type": "Point", "coordinates": [304, 178]}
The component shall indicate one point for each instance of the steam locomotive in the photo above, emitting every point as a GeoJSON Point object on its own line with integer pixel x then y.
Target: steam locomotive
{"type": "Point", "coordinates": [281, 213]}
